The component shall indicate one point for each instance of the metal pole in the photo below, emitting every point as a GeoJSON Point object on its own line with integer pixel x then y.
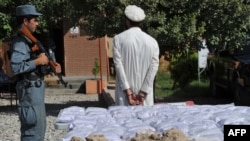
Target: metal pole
{"type": "Point", "coordinates": [100, 60]}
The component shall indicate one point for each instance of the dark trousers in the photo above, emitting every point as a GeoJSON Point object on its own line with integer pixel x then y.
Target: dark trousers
{"type": "Point", "coordinates": [31, 109]}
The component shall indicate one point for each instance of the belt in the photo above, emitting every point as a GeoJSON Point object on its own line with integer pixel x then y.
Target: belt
{"type": "Point", "coordinates": [30, 76]}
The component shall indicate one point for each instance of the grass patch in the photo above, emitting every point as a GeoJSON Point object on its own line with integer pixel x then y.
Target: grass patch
{"type": "Point", "coordinates": [164, 84]}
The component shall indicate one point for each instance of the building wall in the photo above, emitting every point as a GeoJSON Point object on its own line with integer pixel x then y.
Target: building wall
{"type": "Point", "coordinates": [80, 53]}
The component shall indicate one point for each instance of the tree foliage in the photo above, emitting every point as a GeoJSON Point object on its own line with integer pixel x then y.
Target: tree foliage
{"type": "Point", "coordinates": [176, 24]}
{"type": "Point", "coordinates": [54, 13]}
{"type": "Point", "coordinates": [5, 19]}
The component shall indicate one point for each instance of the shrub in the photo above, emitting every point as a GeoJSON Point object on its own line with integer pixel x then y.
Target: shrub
{"type": "Point", "coordinates": [183, 70]}
{"type": "Point", "coordinates": [96, 68]}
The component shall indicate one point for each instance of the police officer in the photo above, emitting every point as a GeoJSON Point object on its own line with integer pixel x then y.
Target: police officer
{"type": "Point", "coordinates": [30, 85]}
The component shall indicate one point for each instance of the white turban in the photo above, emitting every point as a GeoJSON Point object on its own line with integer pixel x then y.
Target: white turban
{"type": "Point", "coordinates": [134, 13]}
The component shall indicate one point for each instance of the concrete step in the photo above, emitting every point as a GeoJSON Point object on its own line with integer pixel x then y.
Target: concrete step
{"type": "Point", "coordinates": [60, 91]}
{"type": "Point", "coordinates": [75, 85]}
{"type": "Point", "coordinates": [72, 82]}
{"type": "Point", "coordinates": [110, 86]}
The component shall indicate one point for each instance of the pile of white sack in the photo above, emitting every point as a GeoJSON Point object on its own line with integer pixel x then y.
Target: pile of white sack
{"type": "Point", "coordinates": [120, 123]}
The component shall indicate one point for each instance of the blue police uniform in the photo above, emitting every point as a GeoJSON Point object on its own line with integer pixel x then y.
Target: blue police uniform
{"type": "Point", "coordinates": [30, 85]}
{"type": "Point", "coordinates": [30, 89]}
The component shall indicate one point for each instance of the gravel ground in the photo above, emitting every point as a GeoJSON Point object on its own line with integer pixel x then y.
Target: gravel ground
{"type": "Point", "coordinates": [55, 101]}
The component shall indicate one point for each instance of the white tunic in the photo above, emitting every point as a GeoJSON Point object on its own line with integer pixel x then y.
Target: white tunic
{"type": "Point", "coordinates": [136, 59]}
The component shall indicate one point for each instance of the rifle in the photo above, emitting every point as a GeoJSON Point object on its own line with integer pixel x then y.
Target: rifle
{"type": "Point", "coordinates": [38, 46]}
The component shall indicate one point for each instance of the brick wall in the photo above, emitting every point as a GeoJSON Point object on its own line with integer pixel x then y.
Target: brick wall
{"type": "Point", "coordinates": [80, 54]}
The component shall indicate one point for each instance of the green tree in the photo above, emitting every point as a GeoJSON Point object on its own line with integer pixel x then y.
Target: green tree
{"type": "Point", "coordinates": [5, 19]}
{"type": "Point", "coordinates": [176, 24]}
{"type": "Point", "coordinates": [225, 21]}
{"type": "Point", "coordinates": [54, 13]}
